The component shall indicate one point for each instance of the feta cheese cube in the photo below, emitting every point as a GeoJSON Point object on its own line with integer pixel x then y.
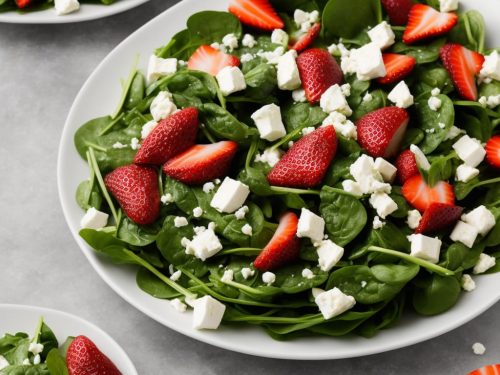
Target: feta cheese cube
{"type": "Point", "coordinates": [478, 349]}
{"type": "Point", "coordinates": [401, 96]}
{"type": "Point", "coordinates": [362, 168]}
{"type": "Point", "coordinates": [158, 67]}
{"type": "Point", "coordinates": [316, 292]}
{"type": "Point", "coordinates": [94, 219]}
{"type": "Point", "coordinates": [269, 278]}
{"type": "Point", "coordinates": [308, 130]}
{"type": "Point", "coordinates": [66, 6]}
{"type": "Point", "coordinates": [347, 129]}
{"type": "Point", "coordinates": [246, 57]}
{"type": "Point", "coordinates": [231, 80]}
{"type": "Point", "coordinates": [299, 96]}
{"type": "Point", "coordinates": [300, 17]}
{"type": "Point", "coordinates": [230, 196]}
{"type": "Point", "coordinates": [346, 89]}
{"type": "Point", "coordinates": [37, 359]}
{"type": "Point", "coordinates": [279, 36]}
{"type": "Point", "coordinates": [334, 118]}
{"type": "Point", "coordinates": [481, 218]}
{"type": "Point", "coordinates": [288, 72]}
{"type": "Point", "coordinates": [491, 66]}
{"type": "Point", "coordinates": [448, 5]}
{"type": "Point", "coordinates": [333, 303]}
{"type": "Point", "coordinates": [207, 313]}
{"type": "Point", "coordinates": [383, 204]}
{"type": "Point", "coordinates": [420, 158]}
{"type": "Point", "coordinates": [180, 221]}
{"type": "Point", "coordinates": [3, 362]}
{"type": "Point", "coordinates": [329, 254]}
{"type": "Point", "coordinates": [204, 244]}
{"type": "Point", "coordinates": [369, 62]}
{"type": "Point", "coordinates": [386, 169]}
{"type": "Point", "coordinates": [178, 305]}
{"type": "Point", "coordinates": [464, 233]}
{"type": "Point", "coordinates": [413, 219]}
{"type": "Point", "coordinates": [367, 98]}
{"type": "Point", "coordinates": [167, 198]}
{"type": "Point", "coordinates": [377, 223]}
{"type": "Point", "coordinates": [227, 276]}
{"type": "Point", "coordinates": [147, 128]}
{"type": "Point", "coordinates": [307, 273]}
{"type": "Point", "coordinates": [352, 187]}
{"type": "Point", "coordinates": [162, 106]}
{"type": "Point", "coordinates": [493, 101]}
{"type": "Point", "coordinates": [248, 41]}
{"type": "Point", "coordinates": [434, 103]}
{"type": "Point", "coordinates": [334, 100]}
{"type": "Point", "coordinates": [382, 35]}
{"type": "Point", "coordinates": [176, 275]}
{"type": "Point", "coordinates": [247, 273]}
{"type": "Point", "coordinates": [272, 57]}
{"type": "Point", "coordinates": [484, 263]}
{"type": "Point", "coordinates": [465, 173]}
{"type": "Point", "coordinates": [424, 247]}
{"type": "Point", "coordinates": [230, 41]}
{"type": "Point", "coordinates": [247, 230]}
{"type": "Point", "coordinates": [453, 133]}
{"type": "Point", "coordinates": [311, 226]}
{"type": "Point", "coordinates": [468, 283]}
{"type": "Point", "coordinates": [269, 123]}
{"type": "Point", "coordinates": [469, 150]}
{"type": "Point", "coordinates": [35, 348]}
{"type": "Point", "coordinates": [241, 212]}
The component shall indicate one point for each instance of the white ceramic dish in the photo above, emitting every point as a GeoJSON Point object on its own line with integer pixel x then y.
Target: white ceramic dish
{"type": "Point", "coordinates": [87, 12]}
{"type": "Point", "coordinates": [99, 96]}
{"type": "Point", "coordinates": [20, 318]}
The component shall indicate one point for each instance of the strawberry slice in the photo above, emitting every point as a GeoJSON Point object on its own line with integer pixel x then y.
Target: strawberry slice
{"type": "Point", "coordinates": [426, 22]}
{"type": "Point", "coordinates": [284, 246]}
{"type": "Point", "coordinates": [306, 162]}
{"type": "Point", "coordinates": [397, 67]}
{"type": "Point", "coordinates": [202, 163]}
{"type": "Point", "coordinates": [438, 216]}
{"type": "Point", "coordinates": [406, 166]}
{"type": "Point", "coordinates": [318, 71]}
{"type": "Point", "coordinates": [170, 137]}
{"type": "Point", "coordinates": [306, 40]}
{"type": "Point", "coordinates": [397, 10]}
{"type": "Point", "coordinates": [463, 66]}
{"type": "Point", "coordinates": [493, 151]}
{"type": "Point", "coordinates": [211, 60]}
{"type": "Point", "coordinates": [256, 13]}
{"type": "Point", "coordinates": [135, 188]}
{"type": "Point", "coordinates": [487, 370]}
{"type": "Point", "coordinates": [84, 358]}
{"type": "Point", "coordinates": [380, 132]}
{"type": "Point", "coordinates": [21, 4]}
{"type": "Point", "coordinates": [420, 195]}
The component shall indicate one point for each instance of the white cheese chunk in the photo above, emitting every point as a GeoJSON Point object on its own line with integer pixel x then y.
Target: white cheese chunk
{"type": "Point", "coordinates": [207, 313]}
{"type": "Point", "coordinates": [268, 278]}
{"type": "Point", "coordinates": [329, 254]}
{"type": "Point", "coordinates": [426, 248]}
{"type": "Point", "coordinates": [386, 169]}
{"type": "Point", "coordinates": [279, 36]}
{"type": "Point", "coordinates": [66, 6]}
{"type": "Point", "coordinates": [420, 158]}
{"type": "Point", "coordinates": [307, 273]}
{"type": "Point", "coordinates": [368, 62]}
{"type": "Point", "coordinates": [491, 66]}
{"type": "Point", "coordinates": [377, 223]}
{"type": "Point", "coordinates": [288, 72]}
{"type": "Point", "coordinates": [180, 221]}
{"type": "Point", "coordinates": [230, 196]}
{"type": "Point", "coordinates": [383, 204]}
{"type": "Point", "coordinates": [333, 303]}
{"type": "Point", "coordinates": [478, 349]}
{"type": "Point", "coordinates": [178, 305]}
{"type": "Point", "coordinates": [469, 150]}
{"type": "Point", "coordinates": [158, 67]}
{"type": "Point", "coordinates": [204, 244]}
{"type": "Point", "coordinates": [230, 41]}
{"type": "Point", "coordinates": [147, 128]}
{"type": "Point", "coordinates": [382, 35]}
{"type": "Point", "coordinates": [94, 219]}
{"type": "Point", "coordinates": [247, 273]}
{"type": "Point", "coordinates": [299, 96]}
{"type": "Point", "coordinates": [311, 226]}
{"type": "Point", "coordinates": [413, 219]}
{"type": "Point", "coordinates": [269, 123]}
{"type": "Point", "coordinates": [231, 80]}
{"type": "Point", "coordinates": [248, 41]}
{"type": "Point", "coordinates": [162, 106]}
{"type": "Point", "coordinates": [401, 96]}
{"type": "Point", "coordinates": [484, 263]}
{"type": "Point", "coordinates": [464, 233]}
{"type": "Point", "coordinates": [465, 173]}
{"type": "Point", "coordinates": [448, 5]}
{"type": "Point", "coordinates": [434, 103]}
{"type": "Point", "coordinates": [334, 100]}
{"type": "Point", "coordinates": [352, 187]}
{"type": "Point", "coordinates": [481, 218]}
{"type": "Point", "coordinates": [3, 362]}
{"type": "Point", "coordinates": [227, 276]}
{"type": "Point", "coordinates": [468, 283]}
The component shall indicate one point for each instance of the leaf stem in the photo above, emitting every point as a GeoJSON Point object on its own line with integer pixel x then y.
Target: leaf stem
{"type": "Point", "coordinates": [207, 134]}
{"type": "Point", "coordinates": [126, 88]}
{"type": "Point", "coordinates": [251, 152]}
{"type": "Point", "coordinates": [249, 251]}
{"type": "Point", "coordinates": [285, 190]}
{"type": "Point", "coordinates": [111, 124]}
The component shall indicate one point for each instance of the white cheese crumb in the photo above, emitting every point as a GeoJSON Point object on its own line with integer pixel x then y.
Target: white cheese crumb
{"type": "Point", "coordinates": [247, 273]}
{"type": "Point", "coordinates": [247, 229]}
{"type": "Point", "coordinates": [178, 305]}
{"type": "Point", "coordinates": [197, 211]}
{"type": "Point", "coordinates": [434, 103]}
{"type": "Point", "coordinates": [180, 221]}
{"type": "Point", "coordinates": [241, 212]}
{"type": "Point", "coordinates": [227, 276]}
{"type": "Point", "coordinates": [176, 275]}
{"type": "Point", "coordinates": [268, 278]}
{"type": "Point", "coordinates": [134, 144]}
{"type": "Point", "coordinates": [377, 223]}
{"type": "Point", "coordinates": [478, 348]}
{"type": "Point", "coordinates": [468, 283]}
{"type": "Point", "coordinates": [208, 187]}
{"type": "Point", "coordinates": [307, 273]}
{"type": "Point", "coordinates": [119, 145]}
{"type": "Point", "coordinates": [167, 198]}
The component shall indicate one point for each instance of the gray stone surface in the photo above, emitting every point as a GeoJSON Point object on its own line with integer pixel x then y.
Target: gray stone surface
{"type": "Point", "coordinates": [41, 70]}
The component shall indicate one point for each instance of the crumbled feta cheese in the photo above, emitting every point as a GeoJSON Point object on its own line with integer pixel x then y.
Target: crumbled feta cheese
{"type": "Point", "coordinates": [35, 348]}
{"type": "Point", "coordinates": [424, 247]}
{"type": "Point", "coordinates": [368, 62]}
{"type": "Point", "coordinates": [469, 150]}
{"type": "Point", "coordinates": [299, 96]}
{"type": "Point", "coordinates": [231, 80]}
{"type": "Point", "coordinates": [435, 91]}
{"type": "Point", "coordinates": [218, 46]}
{"type": "Point", "coordinates": [26, 361]}
{"type": "Point", "coordinates": [448, 5]}
{"type": "Point", "coordinates": [434, 103]}
{"type": "Point", "coordinates": [307, 273]}
{"type": "Point", "coordinates": [230, 196]}
{"type": "Point", "coordinates": [246, 57]}
{"type": "Point", "coordinates": [247, 273]}
{"type": "Point", "coordinates": [37, 359]}
{"type": "Point", "coordinates": [464, 233]}
{"type": "Point", "coordinates": [167, 198]}
{"type": "Point", "coordinates": [94, 219]}
{"type": "Point", "coordinates": [481, 218]}
{"type": "Point", "coordinates": [268, 278]}
{"type": "Point", "coordinates": [484, 263]}
{"type": "Point", "coordinates": [305, 20]}
{"type": "Point", "coordinates": [311, 226]}
{"type": "Point", "coordinates": [3, 362]}
{"type": "Point", "coordinates": [352, 187]}
{"type": "Point", "coordinates": [329, 254]}
{"type": "Point", "coordinates": [363, 283]}
{"type": "Point", "coordinates": [413, 219]}
{"type": "Point", "coordinates": [367, 98]}
{"type": "Point", "coordinates": [228, 276]}
{"type": "Point", "coordinates": [272, 57]}
{"type": "Point", "coordinates": [66, 6]}
{"type": "Point", "coordinates": [491, 66]}
{"type": "Point", "coordinates": [308, 130]}
{"type": "Point", "coordinates": [158, 67]}
{"type": "Point", "coordinates": [468, 283]}
{"type": "Point", "coordinates": [347, 129]}
{"type": "Point", "coordinates": [382, 35]}
{"type": "Point", "coordinates": [119, 145]}
{"type": "Point", "coordinates": [288, 72]}
{"type": "Point", "coordinates": [386, 169]}
{"type": "Point", "coordinates": [478, 348]}
{"type": "Point", "coordinates": [230, 41]}
{"type": "Point", "coordinates": [134, 144]}
{"type": "Point", "coordinates": [269, 123]}
{"type": "Point", "coordinates": [207, 313]}
{"type": "Point", "coordinates": [290, 144]}
{"type": "Point", "coordinates": [420, 158]}
{"type": "Point", "coordinates": [441, 125]}
{"type": "Point", "coordinates": [180, 221]}
{"type": "Point", "coordinates": [217, 181]}
{"type": "Point", "coordinates": [334, 118]}
{"type": "Point", "coordinates": [247, 230]}
{"type": "Point", "coordinates": [240, 213]}
{"type": "Point", "coordinates": [346, 89]}
{"type": "Point", "coordinates": [208, 187]}
{"type": "Point", "coordinates": [162, 106]}
{"type": "Point", "coordinates": [147, 128]}
{"type": "Point", "coordinates": [248, 41]}
{"type": "Point", "coordinates": [333, 303]}
{"type": "Point", "coordinates": [369, 179]}
{"type": "Point", "coordinates": [377, 223]}
{"type": "Point", "coordinates": [465, 173]}
{"type": "Point", "coordinates": [334, 100]}
{"type": "Point", "coordinates": [453, 133]}
{"type": "Point", "coordinates": [204, 244]}
{"type": "Point", "coordinates": [197, 211]}
{"type": "Point", "coordinates": [383, 204]}
{"type": "Point", "coordinates": [178, 305]}
{"type": "Point", "coordinates": [483, 100]}
{"type": "Point", "coordinates": [401, 96]}
{"type": "Point", "coordinates": [279, 36]}
{"type": "Point", "coordinates": [493, 101]}
{"type": "Point", "coordinates": [176, 275]}
{"type": "Point", "coordinates": [332, 49]}
{"type": "Point", "coordinates": [299, 16]}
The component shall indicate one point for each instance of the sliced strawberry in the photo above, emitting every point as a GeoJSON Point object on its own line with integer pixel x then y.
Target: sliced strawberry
{"type": "Point", "coordinates": [211, 60]}
{"type": "Point", "coordinates": [380, 132]}
{"type": "Point", "coordinates": [397, 67]}
{"type": "Point", "coordinates": [406, 166]}
{"type": "Point", "coordinates": [493, 151]}
{"type": "Point", "coordinates": [426, 22]}
{"type": "Point", "coordinates": [463, 66]}
{"type": "Point", "coordinates": [202, 163]}
{"type": "Point", "coordinates": [438, 216]}
{"type": "Point", "coordinates": [21, 4]}
{"type": "Point", "coordinates": [256, 13]}
{"type": "Point", "coordinates": [318, 71]}
{"type": "Point", "coordinates": [284, 246]}
{"type": "Point", "coordinates": [84, 358]}
{"type": "Point", "coordinates": [306, 40]}
{"type": "Point", "coordinates": [420, 195]}
{"type": "Point", "coordinates": [306, 162]}
{"type": "Point", "coordinates": [487, 370]}
{"type": "Point", "coordinates": [172, 136]}
{"type": "Point", "coordinates": [397, 10]}
{"type": "Point", "coordinates": [135, 188]}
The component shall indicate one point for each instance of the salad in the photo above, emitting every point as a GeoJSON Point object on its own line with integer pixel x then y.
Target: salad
{"type": "Point", "coordinates": [61, 7]}
{"type": "Point", "coordinates": [302, 167]}
{"type": "Point", "coordinates": [42, 355]}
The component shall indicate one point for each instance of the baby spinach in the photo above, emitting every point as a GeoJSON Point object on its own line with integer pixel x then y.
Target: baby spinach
{"type": "Point", "coordinates": [435, 294]}
{"type": "Point", "coordinates": [150, 284]}
{"type": "Point", "coordinates": [469, 31]}
{"type": "Point", "coordinates": [56, 363]}
{"type": "Point", "coordinates": [423, 53]}
{"type": "Point", "coordinates": [137, 235]}
{"type": "Point", "coordinates": [378, 100]}
{"type": "Point", "coordinates": [224, 125]}
{"type": "Point", "coordinates": [368, 13]}
{"type": "Point", "coordinates": [210, 26]}
{"type": "Point", "coordinates": [301, 115]}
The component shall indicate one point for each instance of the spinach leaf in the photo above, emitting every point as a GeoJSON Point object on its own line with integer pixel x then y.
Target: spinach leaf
{"type": "Point", "coordinates": [442, 168]}
{"type": "Point", "coordinates": [88, 195]}
{"type": "Point", "coordinates": [423, 53]}
{"type": "Point", "coordinates": [56, 363]}
{"type": "Point", "coordinates": [435, 294]}
{"type": "Point", "coordinates": [476, 122]}
{"type": "Point", "coordinates": [150, 284]}
{"type": "Point", "coordinates": [379, 100]}
{"type": "Point", "coordinates": [224, 125]}
{"type": "Point", "coordinates": [137, 235]}
{"type": "Point", "coordinates": [469, 31]}
{"type": "Point", "coordinates": [493, 237]}
{"type": "Point", "coordinates": [261, 82]}
{"type": "Point", "coordinates": [40, 369]}
{"type": "Point", "coordinates": [136, 92]}
{"type": "Point", "coordinates": [256, 181]}
{"type": "Point", "coordinates": [427, 78]}
{"type": "Point", "coordinates": [301, 115]}
{"type": "Point", "coordinates": [337, 12]}
{"type": "Point", "coordinates": [290, 280]}
{"type": "Point", "coordinates": [340, 169]}
{"type": "Point", "coordinates": [180, 46]}
{"type": "Point", "coordinates": [210, 26]}
{"type": "Point", "coordinates": [413, 136]}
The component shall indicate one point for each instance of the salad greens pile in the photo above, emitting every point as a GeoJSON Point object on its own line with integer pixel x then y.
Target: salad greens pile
{"type": "Point", "coordinates": [24, 6]}
{"type": "Point", "coordinates": [376, 269]}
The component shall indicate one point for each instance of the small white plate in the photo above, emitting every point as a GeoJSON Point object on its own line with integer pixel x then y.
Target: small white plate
{"type": "Point", "coordinates": [21, 318]}
{"type": "Point", "coordinates": [98, 97]}
{"type": "Point", "coordinates": [87, 12]}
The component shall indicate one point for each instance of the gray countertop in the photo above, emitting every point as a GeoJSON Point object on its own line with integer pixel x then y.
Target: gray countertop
{"type": "Point", "coordinates": [41, 70]}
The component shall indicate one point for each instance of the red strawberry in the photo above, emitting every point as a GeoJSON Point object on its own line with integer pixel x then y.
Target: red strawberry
{"type": "Point", "coordinates": [406, 165]}
{"type": "Point", "coordinates": [493, 151]}
{"type": "Point", "coordinates": [256, 13]}
{"type": "Point", "coordinates": [420, 195]}
{"type": "Point", "coordinates": [172, 136]}
{"type": "Point", "coordinates": [380, 132]}
{"type": "Point", "coordinates": [21, 4]}
{"type": "Point", "coordinates": [487, 370]}
{"type": "Point", "coordinates": [307, 39]}
{"type": "Point", "coordinates": [306, 162]}
{"type": "Point", "coordinates": [438, 216]}
{"type": "Point", "coordinates": [202, 163]}
{"type": "Point", "coordinates": [426, 22]}
{"type": "Point", "coordinates": [85, 358]}
{"type": "Point", "coordinates": [135, 187]}
{"type": "Point", "coordinates": [397, 67]}
{"type": "Point", "coordinates": [397, 10]}
{"type": "Point", "coordinates": [211, 60]}
{"type": "Point", "coordinates": [283, 248]}
{"type": "Point", "coordinates": [318, 71]}
{"type": "Point", "coordinates": [463, 65]}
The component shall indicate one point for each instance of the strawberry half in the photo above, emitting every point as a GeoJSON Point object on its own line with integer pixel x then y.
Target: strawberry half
{"type": "Point", "coordinates": [397, 67]}
{"type": "Point", "coordinates": [397, 10]}
{"type": "Point", "coordinates": [172, 136]}
{"type": "Point", "coordinates": [420, 195]}
{"type": "Point", "coordinates": [306, 162]}
{"type": "Point", "coordinates": [284, 246]}
{"type": "Point", "coordinates": [380, 132]}
{"type": "Point", "coordinates": [306, 40]}
{"type": "Point", "coordinates": [487, 370]}
{"type": "Point", "coordinates": [426, 22]}
{"type": "Point", "coordinates": [135, 188]}
{"type": "Point", "coordinates": [406, 166]}
{"type": "Point", "coordinates": [21, 4]}
{"type": "Point", "coordinates": [202, 163]}
{"type": "Point", "coordinates": [211, 60]}
{"type": "Point", "coordinates": [463, 66]}
{"type": "Point", "coordinates": [256, 13]}
{"type": "Point", "coordinates": [493, 151]}
{"type": "Point", "coordinates": [438, 216]}
{"type": "Point", "coordinates": [85, 358]}
{"type": "Point", "coordinates": [318, 71]}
